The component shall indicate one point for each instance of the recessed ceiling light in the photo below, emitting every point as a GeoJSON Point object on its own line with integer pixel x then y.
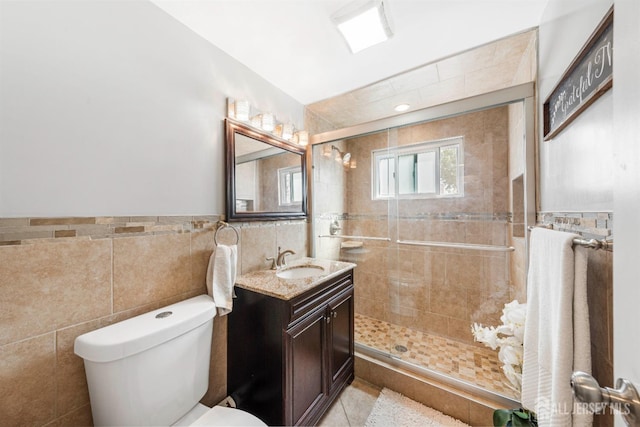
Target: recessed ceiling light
{"type": "Point", "coordinates": [401, 107]}
{"type": "Point", "coordinates": [363, 25]}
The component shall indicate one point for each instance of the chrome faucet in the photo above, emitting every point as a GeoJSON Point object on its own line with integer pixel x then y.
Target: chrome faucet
{"type": "Point", "coordinates": [281, 260]}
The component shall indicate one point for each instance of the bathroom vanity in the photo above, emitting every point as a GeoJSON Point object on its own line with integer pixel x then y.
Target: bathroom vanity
{"type": "Point", "coordinates": [290, 341]}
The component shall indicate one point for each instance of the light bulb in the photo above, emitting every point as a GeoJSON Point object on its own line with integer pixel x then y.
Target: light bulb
{"type": "Point", "coordinates": [242, 109]}
{"type": "Point", "coordinates": [303, 137]}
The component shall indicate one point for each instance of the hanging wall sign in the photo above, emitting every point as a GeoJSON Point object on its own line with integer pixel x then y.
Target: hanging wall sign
{"type": "Point", "coordinates": [588, 77]}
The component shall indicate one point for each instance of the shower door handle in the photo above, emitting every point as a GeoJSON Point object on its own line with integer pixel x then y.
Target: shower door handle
{"type": "Point", "coordinates": [623, 398]}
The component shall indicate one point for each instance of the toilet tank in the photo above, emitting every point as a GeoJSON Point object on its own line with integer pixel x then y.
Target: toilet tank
{"type": "Point", "coordinates": [150, 369]}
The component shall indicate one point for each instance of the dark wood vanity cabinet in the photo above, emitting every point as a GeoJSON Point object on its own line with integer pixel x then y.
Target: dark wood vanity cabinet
{"type": "Point", "coordinates": [289, 359]}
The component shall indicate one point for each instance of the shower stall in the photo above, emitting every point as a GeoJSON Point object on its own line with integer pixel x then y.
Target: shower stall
{"type": "Point", "coordinates": [432, 207]}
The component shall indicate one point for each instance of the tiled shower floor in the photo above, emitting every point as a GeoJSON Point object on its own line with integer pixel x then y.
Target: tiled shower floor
{"type": "Point", "coordinates": [466, 362]}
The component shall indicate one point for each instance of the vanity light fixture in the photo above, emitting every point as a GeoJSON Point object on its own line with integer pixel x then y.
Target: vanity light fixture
{"type": "Point", "coordinates": [264, 121]}
{"type": "Point", "coordinates": [277, 131]}
{"type": "Point", "coordinates": [303, 137]}
{"type": "Point", "coordinates": [401, 107]}
{"type": "Point", "coordinates": [268, 122]}
{"type": "Point", "coordinates": [363, 25]}
{"type": "Point", "coordinates": [256, 121]}
{"type": "Point", "coordinates": [287, 131]}
{"type": "Point", "coordinates": [241, 110]}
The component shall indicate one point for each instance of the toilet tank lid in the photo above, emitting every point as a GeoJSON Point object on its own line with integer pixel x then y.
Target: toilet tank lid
{"type": "Point", "coordinates": [145, 331]}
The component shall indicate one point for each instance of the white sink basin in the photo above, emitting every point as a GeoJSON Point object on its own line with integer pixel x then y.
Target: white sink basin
{"type": "Point", "coordinates": [300, 272]}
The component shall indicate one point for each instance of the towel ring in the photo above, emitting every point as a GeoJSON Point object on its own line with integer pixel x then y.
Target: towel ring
{"type": "Point", "coordinates": [222, 225]}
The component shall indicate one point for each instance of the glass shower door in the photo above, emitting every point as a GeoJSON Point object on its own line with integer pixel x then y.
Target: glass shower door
{"type": "Point", "coordinates": [431, 214]}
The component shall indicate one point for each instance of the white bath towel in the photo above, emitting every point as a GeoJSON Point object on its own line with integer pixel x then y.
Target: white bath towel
{"type": "Point", "coordinates": [556, 336]}
{"type": "Point", "coordinates": [221, 277]}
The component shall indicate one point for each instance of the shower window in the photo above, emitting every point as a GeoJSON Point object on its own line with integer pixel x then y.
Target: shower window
{"type": "Point", "coordinates": [428, 169]}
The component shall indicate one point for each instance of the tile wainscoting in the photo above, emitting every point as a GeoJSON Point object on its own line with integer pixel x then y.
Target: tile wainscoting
{"type": "Point", "coordinates": [62, 277]}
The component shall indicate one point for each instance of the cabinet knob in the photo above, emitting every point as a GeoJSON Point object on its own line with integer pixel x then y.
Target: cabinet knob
{"type": "Point", "coordinates": [328, 319]}
{"type": "Point", "coordinates": [334, 314]}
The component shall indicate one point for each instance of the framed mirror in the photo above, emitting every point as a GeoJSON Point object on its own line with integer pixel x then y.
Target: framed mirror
{"type": "Point", "coordinates": [266, 175]}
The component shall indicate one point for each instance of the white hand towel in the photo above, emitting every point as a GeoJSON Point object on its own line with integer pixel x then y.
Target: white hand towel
{"type": "Point", "coordinates": [221, 277]}
{"type": "Point", "coordinates": [556, 336]}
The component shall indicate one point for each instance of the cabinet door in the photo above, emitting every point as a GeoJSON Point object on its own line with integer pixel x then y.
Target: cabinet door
{"type": "Point", "coordinates": [306, 367]}
{"type": "Point", "coordinates": [341, 334]}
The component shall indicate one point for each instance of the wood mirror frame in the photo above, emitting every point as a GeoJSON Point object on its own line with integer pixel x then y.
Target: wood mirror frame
{"type": "Point", "coordinates": [237, 132]}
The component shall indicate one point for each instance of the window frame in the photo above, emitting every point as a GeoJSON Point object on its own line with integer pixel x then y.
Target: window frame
{"type": "Point", "coordinates": [395, 153]}
{"type": "Point", "coordinates": [282, 173]}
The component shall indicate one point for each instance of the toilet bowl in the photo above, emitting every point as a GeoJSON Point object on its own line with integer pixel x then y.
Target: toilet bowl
{"type": "Point", "coordinates": [153, 369]}
{"type": "Point", "coordinates": [218, 416]}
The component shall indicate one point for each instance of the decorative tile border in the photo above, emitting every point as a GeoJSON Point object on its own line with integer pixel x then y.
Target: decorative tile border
{"type": "Point", "coordinates": [17, 231]}
{"type": "Point", "coordinates": [591, 225]}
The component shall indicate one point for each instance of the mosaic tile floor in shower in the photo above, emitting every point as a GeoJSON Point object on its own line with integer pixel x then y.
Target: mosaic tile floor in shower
{"type": "Point", "coordinates": [466, 362]}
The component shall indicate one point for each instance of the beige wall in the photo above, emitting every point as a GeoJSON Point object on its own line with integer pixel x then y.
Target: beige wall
{"type": "Point", "coordinates": [53, 289]}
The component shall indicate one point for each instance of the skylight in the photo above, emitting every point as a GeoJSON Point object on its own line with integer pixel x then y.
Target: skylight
{"type": "Point", "coordinates": [363, 25]}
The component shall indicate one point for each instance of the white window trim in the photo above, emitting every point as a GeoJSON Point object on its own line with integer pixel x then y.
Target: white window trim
{"type": "Point", "coordinates": [287, 171]}
{"type": "Point", "coordinates": [420, 147]}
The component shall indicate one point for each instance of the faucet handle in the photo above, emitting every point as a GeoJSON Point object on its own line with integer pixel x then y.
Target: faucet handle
{"type": "Point", "coordinates": [273, 262]}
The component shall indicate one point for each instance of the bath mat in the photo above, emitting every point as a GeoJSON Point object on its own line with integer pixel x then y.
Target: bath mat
{"type": "Point", "coordinates": [395, 410]}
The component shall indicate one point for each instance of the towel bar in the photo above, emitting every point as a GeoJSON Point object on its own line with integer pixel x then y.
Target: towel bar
{"type": "Point", "coordinates": [603, 244]}
{"type": "Point", "coordinates": [472, 246]}
{"type": "Point", "coordinates": [343, 236]}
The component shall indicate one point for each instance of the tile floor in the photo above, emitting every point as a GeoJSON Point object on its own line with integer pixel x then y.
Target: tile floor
{"type": "Point", "coordinates": [477, 365]}
{"type": "Point", "coordinates": [353, 406]}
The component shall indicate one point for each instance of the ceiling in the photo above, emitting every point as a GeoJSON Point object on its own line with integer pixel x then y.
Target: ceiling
{"type": "Point", "coordinates": [294, 45]}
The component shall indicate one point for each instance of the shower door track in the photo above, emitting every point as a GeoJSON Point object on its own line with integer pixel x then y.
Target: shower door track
{"type": "Point", "coordinates": [435, 375]}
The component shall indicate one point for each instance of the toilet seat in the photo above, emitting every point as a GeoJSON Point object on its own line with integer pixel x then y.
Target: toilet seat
{"type": "Point", "coordinates": [223, 416]}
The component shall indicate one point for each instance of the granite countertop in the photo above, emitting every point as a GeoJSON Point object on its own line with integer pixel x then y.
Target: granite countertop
{"type": "Point", "coordinates": [266, 282]}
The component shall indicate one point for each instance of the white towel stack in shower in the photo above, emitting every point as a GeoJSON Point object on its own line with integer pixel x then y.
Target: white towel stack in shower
{"type": "Point", "coordinates": [556, 338]}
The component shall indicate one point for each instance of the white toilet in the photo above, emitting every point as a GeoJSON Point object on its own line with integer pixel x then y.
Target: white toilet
{"type": "Point", "coordinates": [153, 369]}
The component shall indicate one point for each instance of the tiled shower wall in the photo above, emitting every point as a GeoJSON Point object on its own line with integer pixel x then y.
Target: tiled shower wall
{"type": "Point", "coordinates": [61, 277]}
